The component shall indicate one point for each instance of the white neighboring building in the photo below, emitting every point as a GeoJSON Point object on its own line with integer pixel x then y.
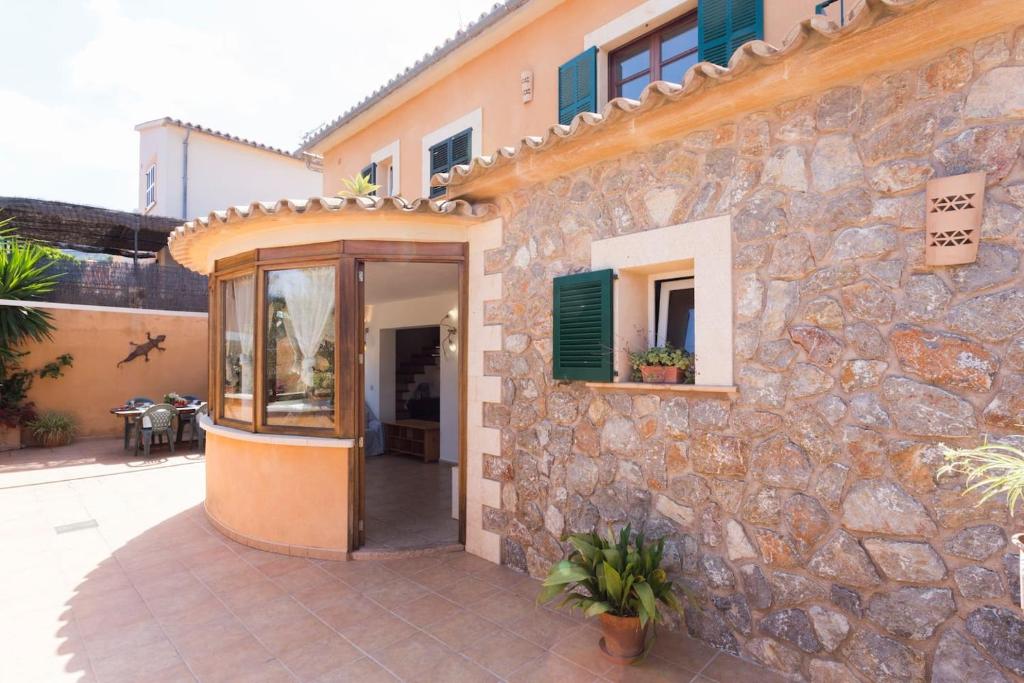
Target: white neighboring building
{"type": "Point", "coordinates": [187, 170]}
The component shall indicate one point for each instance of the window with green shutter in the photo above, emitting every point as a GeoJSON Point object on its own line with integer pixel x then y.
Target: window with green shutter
{"type": "Point", "coordinates": [582, 327]}
{"type": "Point", "coordinates": [577, 86]}
{"type": "Point", "coordinates": [453, 151]}
{"type": "Point", "coordinates": [724, 25]}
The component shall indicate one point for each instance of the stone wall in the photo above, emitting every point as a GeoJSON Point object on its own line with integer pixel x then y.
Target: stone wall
{"type": "Point", "coordinates": [806, 511]}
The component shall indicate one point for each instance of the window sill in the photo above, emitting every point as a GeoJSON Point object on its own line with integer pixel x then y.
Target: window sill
{"type": "Point", "coordinates": [279, 439]}
{"type": "Point", "coordinates": [641, 387]}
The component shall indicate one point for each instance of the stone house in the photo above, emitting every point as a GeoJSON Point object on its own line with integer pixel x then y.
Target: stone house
{"type": "Point", "coordinates": [772, 215]}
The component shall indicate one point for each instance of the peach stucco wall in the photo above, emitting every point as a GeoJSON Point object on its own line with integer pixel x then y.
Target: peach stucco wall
{"type": "Point", "coordinates": [491, 82]}
{"type": "Point", "coordinates": [97, 339]}
{"type": "Point", "coordinates": [278, 497]}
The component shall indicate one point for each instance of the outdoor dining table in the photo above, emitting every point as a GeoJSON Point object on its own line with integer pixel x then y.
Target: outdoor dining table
{"type": "Point", "coordinates": [130, 415]}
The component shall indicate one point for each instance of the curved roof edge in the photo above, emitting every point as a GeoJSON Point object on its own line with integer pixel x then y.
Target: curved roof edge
{"type": "Point", "coordinates": [458, 209]}
{"type": "Point", "coordinates": [747, 58]}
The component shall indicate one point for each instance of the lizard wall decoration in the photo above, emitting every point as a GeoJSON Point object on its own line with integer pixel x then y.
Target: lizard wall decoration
{"type": "Point", "coordinates": [144, 348]}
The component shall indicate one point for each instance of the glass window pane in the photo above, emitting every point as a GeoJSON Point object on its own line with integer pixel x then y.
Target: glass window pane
{"type": "Point", "coordinates": [299, 364]}
{"type": "Point", "coordinates": [238, 296]}
{"type": "Point", "coordinates": [679, 332]}
{"type": "Point", "coordinates": [675, 71]}
{"type": "Point", "coordinates": [678, 40]}
{"type": "Point", "coordinates": [633, 88]}
{"type": "Point", "coordinates": [632, 60]}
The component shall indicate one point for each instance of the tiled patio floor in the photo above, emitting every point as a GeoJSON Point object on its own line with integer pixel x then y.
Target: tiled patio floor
{"type": "Point", "coordinates": [408, 503]}
{"type": "Point", "coordinates": [136, 586]}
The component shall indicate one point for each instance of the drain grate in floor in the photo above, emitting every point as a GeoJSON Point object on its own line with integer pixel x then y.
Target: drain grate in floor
{"type": "Point", "coordinates": [76, 526]}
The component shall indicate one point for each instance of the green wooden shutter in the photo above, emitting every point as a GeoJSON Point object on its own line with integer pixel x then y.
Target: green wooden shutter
{"type": "Point", "coordinates": [724, 25]}
{"type": "Point", "coordinates": [582, 327]}
{"type": "Point", "coordinates": [453, 151]}
{"type": "Point", "coordinates": [577, 86]}
{"type": "Point", "coordinates": [370, 173]}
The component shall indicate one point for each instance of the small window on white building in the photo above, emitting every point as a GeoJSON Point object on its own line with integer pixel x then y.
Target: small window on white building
{"type": "Point", "coordinates": [150, 187]}
{"type": "Point", "coordinates": [674, 313]}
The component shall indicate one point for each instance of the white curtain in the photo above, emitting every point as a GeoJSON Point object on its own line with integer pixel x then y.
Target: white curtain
{"type": "Point", "coordinates": [309, 295]}
{"type": "Point", "coordinates": [241, 309]}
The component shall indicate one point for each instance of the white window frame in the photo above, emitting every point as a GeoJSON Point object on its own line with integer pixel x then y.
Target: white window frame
{"type": "Point", "coordinates": [625, 28]}
{"type": "Point", "coordinates": [669, 284]}
{"type": "Point", "coordinates": [699, 249]}
{"type": "Point", "coordinates": [149, 193]}
{"type": "Point", "coordinates": [389, 153]}
{"type": "Point", "coordinates": [473, 120]}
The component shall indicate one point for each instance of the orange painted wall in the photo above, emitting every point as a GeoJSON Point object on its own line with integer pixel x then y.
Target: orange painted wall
{"type": "Point", "coordinates": [491, 82]}
{"type": "Point", "coordinates": [98, 339]}
{"type": "Point", "coordinates": [283, 495]}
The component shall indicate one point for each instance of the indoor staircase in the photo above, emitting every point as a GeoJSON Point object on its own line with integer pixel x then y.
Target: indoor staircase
{"type": "Point", "coordinates": [410, 372]}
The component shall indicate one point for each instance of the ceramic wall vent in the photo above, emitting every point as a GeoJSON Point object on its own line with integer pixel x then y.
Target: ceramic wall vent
{"type": "Point", "coordinates": [953, 223]}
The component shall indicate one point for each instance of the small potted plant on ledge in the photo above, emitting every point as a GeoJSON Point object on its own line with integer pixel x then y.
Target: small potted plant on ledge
{"type": "Point", "coordinates": [621, 582]}
{"type": "Point", "coordinates": [993, 469]}
{"type": "Point", "coordinates": [663, 365]}
{"type": "Point", "coordinates": [52, 429]}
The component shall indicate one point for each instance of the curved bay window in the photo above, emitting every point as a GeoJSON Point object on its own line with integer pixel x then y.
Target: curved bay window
{"type": "Point", "coordinates": [298, 366]}
{"type": "Point", "coordinates": [277, 333]}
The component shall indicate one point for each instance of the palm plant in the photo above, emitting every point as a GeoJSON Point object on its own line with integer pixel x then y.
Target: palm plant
{"type": "Point", "coordinates": [991, 468]}
{"type": "Point", "coordinates": [358, 186]}
{"type": "Point", "coordinates": [25, 274]}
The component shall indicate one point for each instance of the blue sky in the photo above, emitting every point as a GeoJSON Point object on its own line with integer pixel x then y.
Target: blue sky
{"type": "Point", "coordinates": [76, 76]}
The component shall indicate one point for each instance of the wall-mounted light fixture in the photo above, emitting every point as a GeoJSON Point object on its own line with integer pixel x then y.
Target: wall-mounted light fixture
{"type": "Point", "coordinates": [449, 344]}
{"type": "Point", "coordinates": [953, 220]}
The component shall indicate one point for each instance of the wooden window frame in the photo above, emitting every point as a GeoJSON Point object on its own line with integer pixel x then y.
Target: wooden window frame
{"type": "Point", "coordinates": [344, 256]}
{"type": "Point", "coordinates": [656, 65]}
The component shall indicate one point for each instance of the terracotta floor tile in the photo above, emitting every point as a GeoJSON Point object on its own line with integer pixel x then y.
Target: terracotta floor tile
{"type": "Point", "coordinates": [455, 669]}
{"type": "Point", "coordinates": [138, 664]}
{"type": "Point", "coordinates": [361, 671]}
{"type": "Point", "coordinates": [580, 648]}
{"type": "Point", "coordinates": [468, 590]}
{"type": "Point", "coordinates": [374, 635]}
{"type": "Point", "coordinates": [460, 630]}
{"type": "Point", "coordinates": [303, 578]}
{"type": "Point", "coordinates": [283, 624]}
{"type": "Point", "coordinates": [228, 664]}
{"type": "Point", "coordinates": [650, 670]}
{"type": "Point", "coordinates": [344, 615]}
{"type": "Point", "coordinates": [543, 628]}
{"type": "Point", "coordinates": [361, 575]}
{"type": "Point", "coordinates": [313, 659]}
{"type": "Point", "coordinates": [439, 577]}
{"type": "Point", "coordinates": [195, 616]}
{"type": "Point", "coordinates": [551, 667]}
{"type": "Point", "coordinates": [426, 610]}
{"type": "Point", "coordinates": [410, 658]}
{"type": "Point", "coordinates": [324, 595]}
{"type": "Point", "coordinates": [504, 609]}
{"type": "Point", "coordinates": [682, 650]}
{"type": "Point", "coordinates": [397, 593]}
{"type": "Point", "coordinates": [112, 641]}
{"type": "Point", "coordinates": [250, 595]}
{"type": "Point", "coordinates": [502, 652]}
{"type": "Point", "coordinates": [218, 635]}
{"type": "Point", "coordinates": [727, 669]}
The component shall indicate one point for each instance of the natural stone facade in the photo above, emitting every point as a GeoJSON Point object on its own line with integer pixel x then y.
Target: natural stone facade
{"type": "Point", "coordinates": [806, 510]}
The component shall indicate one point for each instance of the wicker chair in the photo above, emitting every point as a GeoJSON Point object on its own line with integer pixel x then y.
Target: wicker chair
{"type": "Point", "coordinates": [161, 423]}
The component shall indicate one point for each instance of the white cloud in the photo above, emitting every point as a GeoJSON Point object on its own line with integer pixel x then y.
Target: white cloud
{"type": "Point", "coordinates": [262, 69]}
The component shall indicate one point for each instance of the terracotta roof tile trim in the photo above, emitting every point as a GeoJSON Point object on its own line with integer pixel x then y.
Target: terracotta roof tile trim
{"type": "Point", "coordinates": [751, 56]}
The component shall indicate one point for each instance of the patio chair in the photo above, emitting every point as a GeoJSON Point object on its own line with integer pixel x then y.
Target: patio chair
{"type": "Point", "coordinates": [155, 423]}
{"type": "Point", "coordinates": [196, 433]}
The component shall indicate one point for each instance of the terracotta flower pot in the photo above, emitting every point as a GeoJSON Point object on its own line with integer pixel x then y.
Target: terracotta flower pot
{"type": "Point", "coordinates": [661, 374]}
{"type": "Point", "coordinates": [622, 638]}
{"type": "Point", "coordinates": [953, 219]}
{"type": "Point", "coordinates": [1018, 540]}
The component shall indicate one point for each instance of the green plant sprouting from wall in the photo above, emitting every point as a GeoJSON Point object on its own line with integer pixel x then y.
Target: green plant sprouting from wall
{"type": "Point", "coordinates": [993, 469]}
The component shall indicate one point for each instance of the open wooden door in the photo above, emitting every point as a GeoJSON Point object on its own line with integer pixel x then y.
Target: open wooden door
{"type": "Point", "coordinates": [360, 405]}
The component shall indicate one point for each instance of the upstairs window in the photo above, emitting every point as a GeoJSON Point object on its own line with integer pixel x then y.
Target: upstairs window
{"type": "Point", "coordinates": [662, 55]}
{"type": "Point", "coordinates": [370, 173]}
{"type": "Point", "coordinates": [450, 152]}
{"type": "Point", "coordinates": [150, 187]}
{"type": "Point", "coordinates": [674, 313]}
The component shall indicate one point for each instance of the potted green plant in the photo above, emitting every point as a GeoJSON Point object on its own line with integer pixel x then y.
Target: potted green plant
{"type": "Point", "coordinates": [53, 429]}
{"type": "Point", "coordinates": [621, 582]}
{"type": "Point", "coordinates": [663, 365]}
{"type": "Point", "coordinates": [993, 469]}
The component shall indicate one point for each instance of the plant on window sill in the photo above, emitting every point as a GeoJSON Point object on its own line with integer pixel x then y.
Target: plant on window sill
{"type": "Point", "coordinates": [663, 365]}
